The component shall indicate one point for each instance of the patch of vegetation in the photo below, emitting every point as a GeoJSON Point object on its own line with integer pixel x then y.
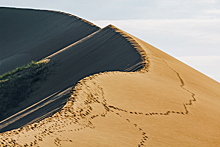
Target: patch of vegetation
{"type": "Point", "coordinates": [17, 85]}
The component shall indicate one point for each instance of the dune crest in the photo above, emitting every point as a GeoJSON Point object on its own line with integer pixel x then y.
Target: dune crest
{"type": "Point", "coordinates": [133, 42]}
{"type": "Point", "coordinates": [128, 93]}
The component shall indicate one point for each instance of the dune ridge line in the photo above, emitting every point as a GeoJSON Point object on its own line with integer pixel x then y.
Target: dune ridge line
{"type": "Point", "coordinates": [66, 48]}
{"type": "Point", "coordinates": [135, 44]}
{"type": "Point", "coordinates": [60, 12]}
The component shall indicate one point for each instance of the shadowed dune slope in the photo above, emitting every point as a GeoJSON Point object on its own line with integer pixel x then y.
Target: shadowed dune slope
{"type": "Point", "coordinates": [34, 34]}
{"type": "Point", "coordinates": [106, 50]}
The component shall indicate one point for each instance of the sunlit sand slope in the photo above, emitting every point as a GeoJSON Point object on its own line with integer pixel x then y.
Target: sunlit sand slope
{"type": "Point", "coordinates": [172, 104]}
{"type": "Point", "coordinates": [167, 103]}
{"type": "Point", "coordinates": [27, 34]}
{"type": "Point", "coordinates": [105, 50]}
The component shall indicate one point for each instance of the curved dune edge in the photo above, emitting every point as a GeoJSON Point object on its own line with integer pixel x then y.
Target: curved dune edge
{"type": "Point", "coordinates": [141, 51]}
{"type": "Point", "coordinates": [64, 13]}
{"type": "Point", "coordinates": [72, 16]}
{"type": "Point", "coordinates": [88, 114]}
{"type": "Point", "coordinates": [76, 17]}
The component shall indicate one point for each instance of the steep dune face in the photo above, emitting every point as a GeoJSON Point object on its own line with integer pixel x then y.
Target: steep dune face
{"type": "Point", "coordinates": [105, 50]}
{"type": "Point", "coordinates": [35, 34]}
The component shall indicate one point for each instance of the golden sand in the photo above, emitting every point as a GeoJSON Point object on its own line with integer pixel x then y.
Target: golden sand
{"type": "Point", "coordinates": [165, 103]}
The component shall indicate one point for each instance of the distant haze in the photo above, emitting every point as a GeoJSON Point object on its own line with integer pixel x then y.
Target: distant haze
{"type": "Point", "coordinates": [186, 29]}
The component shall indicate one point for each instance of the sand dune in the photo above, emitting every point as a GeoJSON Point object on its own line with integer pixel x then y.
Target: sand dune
{"type": "Point", "coordinates": [38, 33]}
{"type": "Point", "coordinates": [122, 92]}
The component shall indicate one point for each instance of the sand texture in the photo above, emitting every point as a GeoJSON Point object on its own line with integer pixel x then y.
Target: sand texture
{"type": "Point", "coordinates": [110, 88]}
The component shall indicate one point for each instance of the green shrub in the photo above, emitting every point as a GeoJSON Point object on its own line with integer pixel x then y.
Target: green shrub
{"type": "Point", "coordinates": [17, 85]}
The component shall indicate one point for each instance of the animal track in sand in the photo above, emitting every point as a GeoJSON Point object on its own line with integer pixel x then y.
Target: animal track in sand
{"type": "Point", "coordinates": [142, 113]}
{"type": "Point", "coordinates": [144, 136]}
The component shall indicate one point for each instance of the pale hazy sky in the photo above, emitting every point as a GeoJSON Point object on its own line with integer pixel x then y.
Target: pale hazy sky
{"type": "Point", "coordinates": [186, 29]}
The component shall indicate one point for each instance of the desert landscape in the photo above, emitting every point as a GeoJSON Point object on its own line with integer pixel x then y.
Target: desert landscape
{"type": "Point", "coordinates": [92, 86]}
